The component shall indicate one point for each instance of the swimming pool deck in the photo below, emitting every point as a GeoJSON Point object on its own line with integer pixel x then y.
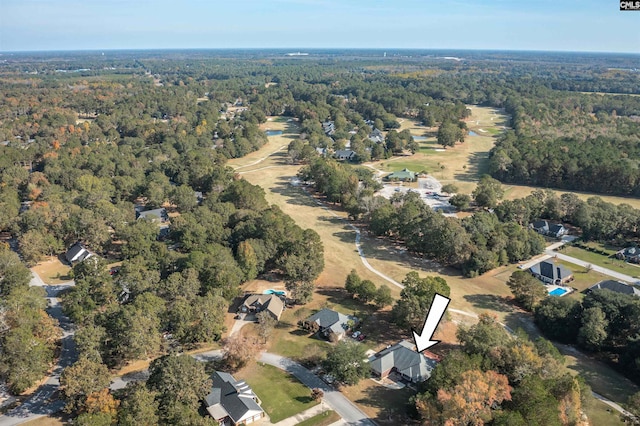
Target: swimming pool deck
{"type": "Point", "coordinates": [551, 287]}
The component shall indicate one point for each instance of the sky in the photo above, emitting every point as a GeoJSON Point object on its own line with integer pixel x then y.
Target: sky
{"type": "Point", "coordinates": [562, 25]}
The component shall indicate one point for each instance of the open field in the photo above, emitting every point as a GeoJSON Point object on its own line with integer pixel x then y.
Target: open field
{"type": "Point", "coordinates": [600, 413]}
{"type": "Point", "coordinates": [486, 293]}
{"type": "Point", "coordinates": [53, 271]}
{"type": "Point", "coordinates": [378, 402]}
{"type": "Point", "coordinates": [51, 420]}
{"type": "Point", "coordinates": [520, 191]}
{"type": "Point", "coordinates": [282, 395]}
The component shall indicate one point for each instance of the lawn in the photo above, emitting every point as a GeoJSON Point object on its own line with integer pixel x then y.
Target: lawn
{"type": "Point", "coordinates": [323, 419]}
{"type": "Point", "coordinates": [520, 191]}
{"type": "Point", "coordinates": [614, 264]}
{"type": "Point", "coordinates": [53, 271]}
{"type": "Point", "coordinates": [282, 395]}
{"type": "Point", "coordinates": [385, 406]}
{"type": "Point", "coordinates": [600, 413]}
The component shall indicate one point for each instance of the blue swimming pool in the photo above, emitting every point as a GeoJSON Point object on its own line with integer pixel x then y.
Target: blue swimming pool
{"type": "Point", "coordinates": [472, 133]}
{"type": "Point", "coordinates": [558, 292]}
{"type": "Point", "coordinates": [276, 292]}
{"type": "Point", "coordinates": [273, 132]}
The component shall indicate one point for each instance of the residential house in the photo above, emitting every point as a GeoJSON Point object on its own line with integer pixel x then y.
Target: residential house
{"type": "Point", "coordinates": [232, 402]}
{"type": "Point", "coordinates": [404, 175]}
{"type": "Point", "coordinates": [345, 154]}
{"type": "Point", "coordinates": [550, 229]}
{"type": "Point", "coordinates": [321, 151]}
{"type": "Point", "coordinates": [376, 136]}
{"type": "Point", "coordinates": [629, 254]}
{"type": "Point", "coordinates": [255, 303]}
{"type": "Point", "coordinates": [616, 286]}
{"type": "Point", "coordinates": [549, 272]}
{"type": "Point", "coordinates": [156, 215]}
{"type": "Point", "coordinates": [331, 324]}
{"type": "Point", "coordinates": [403, 360]}
{"type": "Point", "coordinates": [77, 253]}
{"type": "Point", "coordinates": [329, 127]}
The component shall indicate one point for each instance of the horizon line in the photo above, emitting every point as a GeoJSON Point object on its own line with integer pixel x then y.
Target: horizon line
{"type": "Point", "coordinates": [302, 49]}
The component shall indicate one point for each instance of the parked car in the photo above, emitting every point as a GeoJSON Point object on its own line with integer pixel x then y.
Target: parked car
{"type": "Point", "coordinates": [356, 334]}
{"type": "Point", "coordinates": [361, 337]}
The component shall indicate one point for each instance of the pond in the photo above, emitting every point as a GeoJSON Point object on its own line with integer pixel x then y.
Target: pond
{"type": "Point", "coordinates": [472, 133]}
{"type": "Point", "coordinates": [273, 132]}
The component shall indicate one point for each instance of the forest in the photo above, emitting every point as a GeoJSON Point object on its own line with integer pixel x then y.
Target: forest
{"type": "Point", "coordinates": [87, 141]}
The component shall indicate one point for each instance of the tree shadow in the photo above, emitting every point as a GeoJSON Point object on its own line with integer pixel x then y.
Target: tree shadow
{"type": "Point", "coordinates": [478, 165]}
{"type": "Point", "coordinates": [393, 404]}
{"type": "Point", "coordinates": [490, 302]}
{"type": "Point", "coordinates": [304, 399]}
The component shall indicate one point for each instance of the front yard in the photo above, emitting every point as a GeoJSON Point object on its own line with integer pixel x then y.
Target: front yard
{"type": "Point", "coordinates": [282, 395]}
{"type": "Point", "coordinates": [612, 263]}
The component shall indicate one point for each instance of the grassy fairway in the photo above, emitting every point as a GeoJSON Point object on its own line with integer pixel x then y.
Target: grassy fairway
{"type": "Point", "coordinates": [282, 395]}
{"type": "Point", "coordinates": [520, 191]}
{"type": "Point", "coordinates": [462, 164]}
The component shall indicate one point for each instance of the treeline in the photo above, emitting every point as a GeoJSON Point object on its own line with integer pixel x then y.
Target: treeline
{"type": "Point", "coordinates": [604, 322]}
{"type": "Point", "coordinates": [475, 244]}
{"type": "Point", "coordinates": [28, 336]}
{"type": "Point", "coordinates": [502, 380]}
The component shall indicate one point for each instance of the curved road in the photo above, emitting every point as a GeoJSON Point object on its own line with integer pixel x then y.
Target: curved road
{"type": "Point", "coordinates": [44, 401]}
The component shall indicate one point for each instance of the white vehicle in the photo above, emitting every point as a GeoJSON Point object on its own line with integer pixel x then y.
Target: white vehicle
{"type": "Point", "coordinates": [356, 334]}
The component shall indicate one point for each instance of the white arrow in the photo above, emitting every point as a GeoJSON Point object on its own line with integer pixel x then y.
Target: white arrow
{"type": "Point", "coordinates": [434, 316]}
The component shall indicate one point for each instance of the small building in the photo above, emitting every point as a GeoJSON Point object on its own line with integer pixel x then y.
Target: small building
{"type": "Point", "coordinates": [629, 254]}
{"type": "Point", "coordinates": [543, 227]}
{"type": "Point", "coordinates": [329, 127]}
{"type": "Point", "coordinates": [404, 175]}
{"type": "Point", "coordinates": [345, 154]}
{"type": "Point", "coordinates": [255, 303]}
{"type": "Point", "coordinates": [616, 286]}
{"type": "Point", "coordinates": [232, 402]}
{"type": "Point", "coordinates": [403, 360]}
{"type": "Point", "coordinates": [321, 151]}
{"type": "Point", "coordinates": [331, 324]}
{"type": "Point", "coordinates": [549, 272]}
{"type": "Point", "coordinates": [376, 136]}
{"type": "Point", "coordinates": [156, 215]}
{"type": "Point", "coordinates": [77, 253]}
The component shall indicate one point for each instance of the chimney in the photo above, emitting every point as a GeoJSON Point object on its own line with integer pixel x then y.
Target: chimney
{"type": "Point", "coordinates": [558, 270]}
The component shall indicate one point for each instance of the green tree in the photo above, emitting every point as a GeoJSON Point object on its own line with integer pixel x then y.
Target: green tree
{"type": "Point", "coordinates": [483, 337]}
{"type": "Point", "coordinates": [488, 192]}
{"type": "Point", "coordinates": [593, 332]}
{"type": "Point", "coordinates": [460, 201]}
{"type": "Point", "coordinates": [178, 379]}
{"type": "Point", "coordinates": [367, 292]}
{"type": "Point", "coordinates": [416, 298]}
{"type": "Point", "coordinates": [352, 283]}
{"type": "Point", "coordinates": [383, 297]}
{"type": "Point", "coordinates": [82, 379]}
{"type": "Point", "coordinates": [347, 362]}
{"type": "Point", "coordinates": [527, 290]}
{"type": "Point", "coordinates": [266, 323]}
{"type": "Point", "coordinates": [138, 406]}
{"type": "Point", "coordinates": [449, 188]}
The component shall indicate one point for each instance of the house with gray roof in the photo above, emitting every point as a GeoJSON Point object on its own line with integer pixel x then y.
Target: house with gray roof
{"type": "Point", "coordinates": [616, 286]}
{"type": "Point", "coordinates": [345, 154]}
{"type": "Point", "coordinates": [77, 253]}
{"type": "Point", "coordinates": [255, 303]}
{"type": "Point", "coordinates": [403, 360]}
{"type": "Point", "coordinates": [156, 215]}
{"type": "Point", "coordinates": [550, 229]}
{"type": "Point", "coordinates": [376, 136]}
{"type": "Point", "coordinates": [331, 324]}
{"type": "Point", "coordinates": [550, 272]}
{"type": "Point", "coordinates": [232, 402]}
{"type": "Point", "coordinates": [629, 254]}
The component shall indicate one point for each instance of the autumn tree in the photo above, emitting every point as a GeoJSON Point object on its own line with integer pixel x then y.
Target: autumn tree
{"type": "Point", "coordinates": [317, 394]}
{"type": "Point", "coordinates": [471, 400]}
{"type": "Point", "coordinates": [266, 323]}
{"type": "Point", "coordinates": [238, 351]}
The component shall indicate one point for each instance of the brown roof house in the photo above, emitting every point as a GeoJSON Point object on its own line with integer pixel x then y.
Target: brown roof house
{"type": "Point", "coordinates": [403, 360]}
{"type": "Point", "coordinates": [232, 402]}
{"type": "Point", "coordinates": [255, 303]}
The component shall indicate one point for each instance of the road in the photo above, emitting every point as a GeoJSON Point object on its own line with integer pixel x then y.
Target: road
{"type": "Point", "coordinates": [334, 399]}
{"type": "Point", "coordinates": [602, 270]}
{"type": "Point", "coordinates": [44, 401]}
